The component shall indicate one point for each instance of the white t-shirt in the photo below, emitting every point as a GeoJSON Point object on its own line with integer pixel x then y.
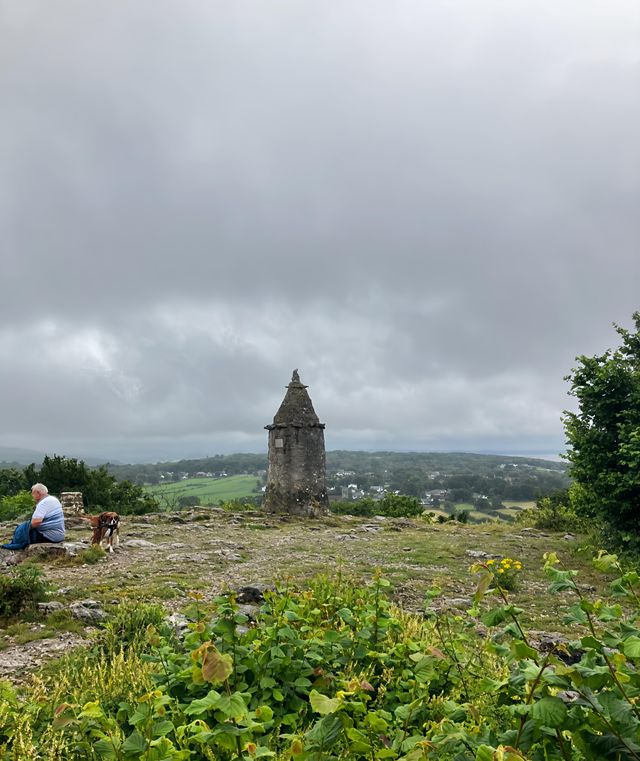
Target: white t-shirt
{"type": "Point", "coordinates": [50, 510]}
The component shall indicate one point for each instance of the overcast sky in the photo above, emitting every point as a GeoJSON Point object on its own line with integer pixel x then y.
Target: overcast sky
{"type": "Point", "coordinates": [429, 207]}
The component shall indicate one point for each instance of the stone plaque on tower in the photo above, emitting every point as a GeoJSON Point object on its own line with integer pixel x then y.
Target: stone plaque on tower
{"type": "Point", "coordinates": [297, 465]}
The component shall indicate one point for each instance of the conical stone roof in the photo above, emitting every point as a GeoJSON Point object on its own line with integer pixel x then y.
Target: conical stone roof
{"type": "Point", "coordinates": [296, 409]}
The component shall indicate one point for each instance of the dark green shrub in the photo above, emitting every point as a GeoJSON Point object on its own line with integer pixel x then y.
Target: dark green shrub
{"type": "Point", "coordinates": [553, 513]}
{"type": "Point", "coordinates": [16, 506]}
{"type": "Point", "coordinates": [363, 507]}
{"type": "Point", "coordinates": [21, 588]}
{"type": "Point", "coordinates": [391, 506]}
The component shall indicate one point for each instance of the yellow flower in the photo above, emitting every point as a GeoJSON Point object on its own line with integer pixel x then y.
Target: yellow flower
{"type": "Point", "coordinates": [500, 570]}
{"type": "Point", "coordinates": [490, 562]}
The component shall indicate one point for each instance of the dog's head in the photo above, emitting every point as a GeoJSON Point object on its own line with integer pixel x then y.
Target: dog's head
{"type": "Point", "coordinates": [109, 519]}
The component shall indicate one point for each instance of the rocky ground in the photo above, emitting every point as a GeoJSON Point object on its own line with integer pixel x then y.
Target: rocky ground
{"type": "Point", "coordinates": [162, 558]}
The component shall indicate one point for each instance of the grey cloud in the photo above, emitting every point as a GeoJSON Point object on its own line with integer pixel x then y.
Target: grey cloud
{"type": "Point", "coordinates": [429, 208]}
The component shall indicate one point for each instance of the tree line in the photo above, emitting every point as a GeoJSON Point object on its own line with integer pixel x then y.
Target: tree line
{"type": "Point", "coordinates": [100, 489]}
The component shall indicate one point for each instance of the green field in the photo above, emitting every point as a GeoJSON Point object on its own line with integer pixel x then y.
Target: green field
{"type": "Point", "coordinates": [207, 490]}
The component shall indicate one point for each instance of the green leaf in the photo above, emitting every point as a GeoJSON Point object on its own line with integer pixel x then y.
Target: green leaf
{"type": "Point", "coordinates": [325, 732]}
{"type": "Point", "coordinates": [91, 711]}
{"type": "Point", "coordinates": [631, 647]}
{"type": "Point", "coordinates": [162, 728]}
{"type": "Point", "coordinates": [264, 713]}
{"type": "Point", "coordinates": [521, 650]}
{"type": "Point", "coordinates": [549, 712]}
{"type": "Point", "coordinates": [424, 670]}
{"type": "Point", "coordinates": [484, 753]}
{"type": "Point", "coordinates": [591, 643]}
{"type": "Point", "coordinates": [232, 706]}
{"type": "Point", "coordinates": [605, 562]}
{"type": "Point", "coordinates": [135, 743]}
{"type": "Point", "coordinates": [483, 585]}
{"type": "Point", "coordinates": [495, 616]}
{"type": "Point", "coordinates": [208, 703]}
{"type": "Point", "coordinates": [104, 749]}
{"type": "Point", "coordinates": [376, 722]}
{"type": "Point", "coordinates": [322, 704]}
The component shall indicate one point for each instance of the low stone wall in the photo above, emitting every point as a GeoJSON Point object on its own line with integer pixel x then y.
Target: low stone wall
{"type": "Point", "coordinates": [72, 503]}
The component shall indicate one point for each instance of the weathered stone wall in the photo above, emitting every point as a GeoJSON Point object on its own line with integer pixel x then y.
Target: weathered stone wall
{"type": "Point", "coordinates": [72, 503]}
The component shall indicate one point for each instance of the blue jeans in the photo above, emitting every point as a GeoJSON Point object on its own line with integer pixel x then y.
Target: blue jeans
{"type": "Point", "coordinates": [35, 537]}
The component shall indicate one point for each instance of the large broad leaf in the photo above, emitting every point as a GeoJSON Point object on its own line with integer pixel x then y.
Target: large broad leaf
{"type": "Point", "coordinates": [91, 711]}
{"type": "Point", "coordinates": [549, 712]}
{"type": "Point", "coordinates": [162, 728]}
{"type": "Point", "coordinates": [216, 667]}
{"type": "Point", "coordinates": [424, 670]}
{"type": "Point", "coordinates": [322, 704]}
{"type": "Point", "coordinates": [164, 750]}
{"type": "Point", "coordinates": [620, 712]}
{"type": "Point", "coordinates": [135, 743]}
{"type": "Point", "coordinates": [325, 732]}
{"type": "Point", "coordinates": [483, 585]}
{"type": "Point", "coordinates": [631, 647]}
{"type": "Point", "coordinates": [232, 706]}
{"type": "Point", "coordinates": [495, 616]}
{"type": "Point", "coordinates": [521, 650]}
{"type": "Point", "coordinates": [105, 749]}
{"type": "Point", "coordinates": [207, 703]}
{"type": "Point", "coordinates": [605, 562]}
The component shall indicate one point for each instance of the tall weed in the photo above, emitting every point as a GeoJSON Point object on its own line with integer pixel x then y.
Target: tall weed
{"type": "Point", "coordinates": [21, 588]}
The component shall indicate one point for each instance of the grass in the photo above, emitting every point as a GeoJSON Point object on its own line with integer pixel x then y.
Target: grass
{"type": "Point", "coordinates": [206, 490]}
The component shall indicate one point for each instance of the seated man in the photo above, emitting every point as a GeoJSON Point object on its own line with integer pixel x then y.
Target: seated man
{"type": "Point", "coordinates": [46, 524]}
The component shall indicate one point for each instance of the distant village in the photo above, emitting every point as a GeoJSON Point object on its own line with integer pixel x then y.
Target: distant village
{"type": "Point", "coordinates": [509, 480]}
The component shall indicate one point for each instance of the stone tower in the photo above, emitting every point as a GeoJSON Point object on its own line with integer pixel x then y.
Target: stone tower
{"type": "Point", "coordinates": [296, 475]}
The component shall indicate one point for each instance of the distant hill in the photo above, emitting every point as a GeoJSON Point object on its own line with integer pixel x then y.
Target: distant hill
{"type": "Point", "coordinates": [16, 456]}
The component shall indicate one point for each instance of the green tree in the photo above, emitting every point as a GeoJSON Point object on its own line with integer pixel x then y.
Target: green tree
{"type": "Point", "coordinates": [12, 481]}
{"type": "Point", "coordinates": [63, 474]}
{"type": "Point", "coordinates": [604, 434]}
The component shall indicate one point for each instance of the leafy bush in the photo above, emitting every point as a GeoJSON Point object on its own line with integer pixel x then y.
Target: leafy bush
{"type": "Point", "coordinates": [553, 513]}
{"type": "Point", "coordinates": [22, 587]}
{"type": "Point", "coordinates": [334, 671]}
{"type": "Point", "coordinates": [391, 506]}
{"type": "Point", "coordinates": [16, 506]}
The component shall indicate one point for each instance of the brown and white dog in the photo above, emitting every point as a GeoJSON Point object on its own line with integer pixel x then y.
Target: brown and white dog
{"type": "Point", "coordinates": [106, 529]}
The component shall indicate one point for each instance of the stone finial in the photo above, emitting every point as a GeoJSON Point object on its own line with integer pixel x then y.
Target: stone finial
{"type": "Point", "coordinates": [295, 377]}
